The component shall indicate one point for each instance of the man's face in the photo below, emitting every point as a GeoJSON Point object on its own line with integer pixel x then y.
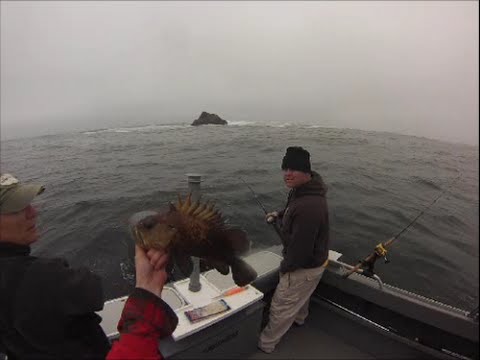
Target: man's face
{"type": "Point", "coordinates": [295, 178]}
{"type": "Point", "coordinates": [19, 227]}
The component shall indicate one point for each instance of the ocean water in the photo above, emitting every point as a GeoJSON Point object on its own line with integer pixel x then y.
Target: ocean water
{"type": "Point", "coordinates": [378, 183]}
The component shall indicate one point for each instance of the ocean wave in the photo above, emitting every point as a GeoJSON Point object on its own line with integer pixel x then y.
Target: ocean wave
{"type": "Point", "coordinates": [462, 242]}
{"type": "Point", "coordinates": [451, 220]}
{"type": "Point", "coordinates": [242, 123]}
{"type": "Point", "coordinates": [426, 182]}
{"type": "Point", "coordinates": [145, 128]}
{"type": "Point", "coordinates": [314, 126]}
{"type": "Point", "coordinates": [283, 125]}
{"type": "Point", "coordinates": [442, 153]}
{"type": "Point", "coordinates": [138, 165]}
{"type": "Point", "coordinates": [429, 262]}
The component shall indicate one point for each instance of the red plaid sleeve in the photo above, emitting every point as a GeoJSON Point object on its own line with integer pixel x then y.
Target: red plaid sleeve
{"type": "Point", "coordinates": [145, 319]}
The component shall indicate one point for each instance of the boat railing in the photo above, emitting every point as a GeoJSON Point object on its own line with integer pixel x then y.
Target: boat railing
{"type": "Point", "coordinates": [474, 314]}
{"type": "Point", "coordinates": [345, 267]}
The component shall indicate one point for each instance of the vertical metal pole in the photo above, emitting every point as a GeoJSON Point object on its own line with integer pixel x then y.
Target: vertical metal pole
{"type": "Point", "coordinates": [194, 181]}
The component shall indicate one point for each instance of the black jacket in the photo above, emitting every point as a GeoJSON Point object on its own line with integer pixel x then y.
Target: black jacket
{"type": "Point", "coordinates": [305, 226]}
{"type": "Point", "coordinates": [47, 309]}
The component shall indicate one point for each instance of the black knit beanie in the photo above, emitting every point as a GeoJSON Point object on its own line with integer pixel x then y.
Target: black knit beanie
{"type": "Point", "coordinates": [297, 158]}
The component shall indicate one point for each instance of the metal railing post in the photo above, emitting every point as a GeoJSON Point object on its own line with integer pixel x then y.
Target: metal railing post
{"type": "Point", "coordinates": [194, 181]}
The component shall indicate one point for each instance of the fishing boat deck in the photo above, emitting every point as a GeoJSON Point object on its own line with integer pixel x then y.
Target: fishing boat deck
{"type": "Point", "coordinates": [329, 335]}
{"type": "Point", "coordinates": [313, 341]}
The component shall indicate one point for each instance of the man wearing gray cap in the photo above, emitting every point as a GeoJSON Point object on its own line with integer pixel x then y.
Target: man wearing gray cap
{"type": "Point", "coordinates": [47, 309]}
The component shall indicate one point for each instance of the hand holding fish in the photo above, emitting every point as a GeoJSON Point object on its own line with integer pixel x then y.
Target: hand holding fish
{"type": "Point", "coordinates": [150, 269]}
{"type": "Point", "coordinates": [158, 258]}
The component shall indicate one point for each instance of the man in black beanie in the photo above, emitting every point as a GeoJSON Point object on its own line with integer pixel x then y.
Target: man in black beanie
{"type": "Point", "coordinates": [305, 237]}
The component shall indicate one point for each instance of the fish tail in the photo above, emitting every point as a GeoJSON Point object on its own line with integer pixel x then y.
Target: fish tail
{"type": "Point", "coordinates": [243, 273]}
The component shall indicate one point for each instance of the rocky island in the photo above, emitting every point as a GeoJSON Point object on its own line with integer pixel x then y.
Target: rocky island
{"type": "Point", "coordinates": [206, 118]}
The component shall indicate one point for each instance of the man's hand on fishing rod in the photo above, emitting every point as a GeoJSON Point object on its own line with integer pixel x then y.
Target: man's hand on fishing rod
{"type": "Point", "coordinates": [271, 217]}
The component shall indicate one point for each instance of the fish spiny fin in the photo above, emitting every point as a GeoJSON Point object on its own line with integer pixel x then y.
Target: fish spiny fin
{"type": "Point", "coordinates": [214, 216]}
{"type": "Point", "coordinates": [207, 211]}
{"type": "Point", "coordinates": [193, 207]}
{"type": "Point", "coordinates": [209, 217]}
{"type": "Point", "coordinates": [210, 214]}
{"type": "Point", "coordinates": [199, 209]}
{"type": "Point", "coordinates": [187, 203]}
{"type": "Point", "coordinates": [179, 202]}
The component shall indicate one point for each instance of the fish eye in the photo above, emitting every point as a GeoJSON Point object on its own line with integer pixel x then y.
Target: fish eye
{"type": "Point", "coordinates": [148, 223]}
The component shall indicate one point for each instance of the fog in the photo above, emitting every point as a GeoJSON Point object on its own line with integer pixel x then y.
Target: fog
{"type": "Point", "coordinates": [405, 67]}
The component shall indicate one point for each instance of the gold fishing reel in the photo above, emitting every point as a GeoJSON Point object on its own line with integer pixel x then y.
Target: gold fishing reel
{"type": "Point", "coordinates": [367, 265]}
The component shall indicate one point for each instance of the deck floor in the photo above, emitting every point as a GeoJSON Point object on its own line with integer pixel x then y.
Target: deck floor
{"type": "Point", "coordinates": [327, 335]}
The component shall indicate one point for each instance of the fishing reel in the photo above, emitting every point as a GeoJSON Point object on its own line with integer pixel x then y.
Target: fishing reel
{"type": "Point", "coordinates": [368, 264]}
{"type": "Point", "coordinates": [381, 251]}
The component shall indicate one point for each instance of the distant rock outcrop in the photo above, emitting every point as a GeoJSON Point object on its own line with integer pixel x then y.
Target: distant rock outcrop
{"type": "Point", "coordinates": [206, 118]}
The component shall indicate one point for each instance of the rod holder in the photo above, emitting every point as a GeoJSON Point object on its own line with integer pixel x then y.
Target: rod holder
{"type": "Point", "coordinates": [194, 181]}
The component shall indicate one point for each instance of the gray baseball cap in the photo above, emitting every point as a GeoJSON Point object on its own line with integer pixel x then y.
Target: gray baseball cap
{"type": "Point", "coordinates": [15, 196]}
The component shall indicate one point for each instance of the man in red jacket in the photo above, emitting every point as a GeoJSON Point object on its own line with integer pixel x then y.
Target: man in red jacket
{"type": "Point", "coordinates": [146, 318]}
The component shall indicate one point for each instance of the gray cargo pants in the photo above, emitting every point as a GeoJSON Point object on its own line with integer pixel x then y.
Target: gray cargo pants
{"type": "Point", "coordinates": [289, 304]}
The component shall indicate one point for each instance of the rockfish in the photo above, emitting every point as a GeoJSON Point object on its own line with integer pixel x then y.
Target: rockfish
{"type": "Point", "coordinates": [195, 229]}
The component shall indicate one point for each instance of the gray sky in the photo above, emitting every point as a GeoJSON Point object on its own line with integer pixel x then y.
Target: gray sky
{"type": "Point", "coordinates": [407, 67]}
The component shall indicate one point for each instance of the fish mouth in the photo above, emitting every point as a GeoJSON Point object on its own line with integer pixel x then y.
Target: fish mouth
{"type": "Point", "coordinates": [135, 220]}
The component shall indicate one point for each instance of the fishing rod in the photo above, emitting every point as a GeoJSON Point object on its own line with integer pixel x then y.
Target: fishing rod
{"type": "Point", "coordinates": [273, 222]}
{"type": "Point", "coordinates": [381, 249]}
